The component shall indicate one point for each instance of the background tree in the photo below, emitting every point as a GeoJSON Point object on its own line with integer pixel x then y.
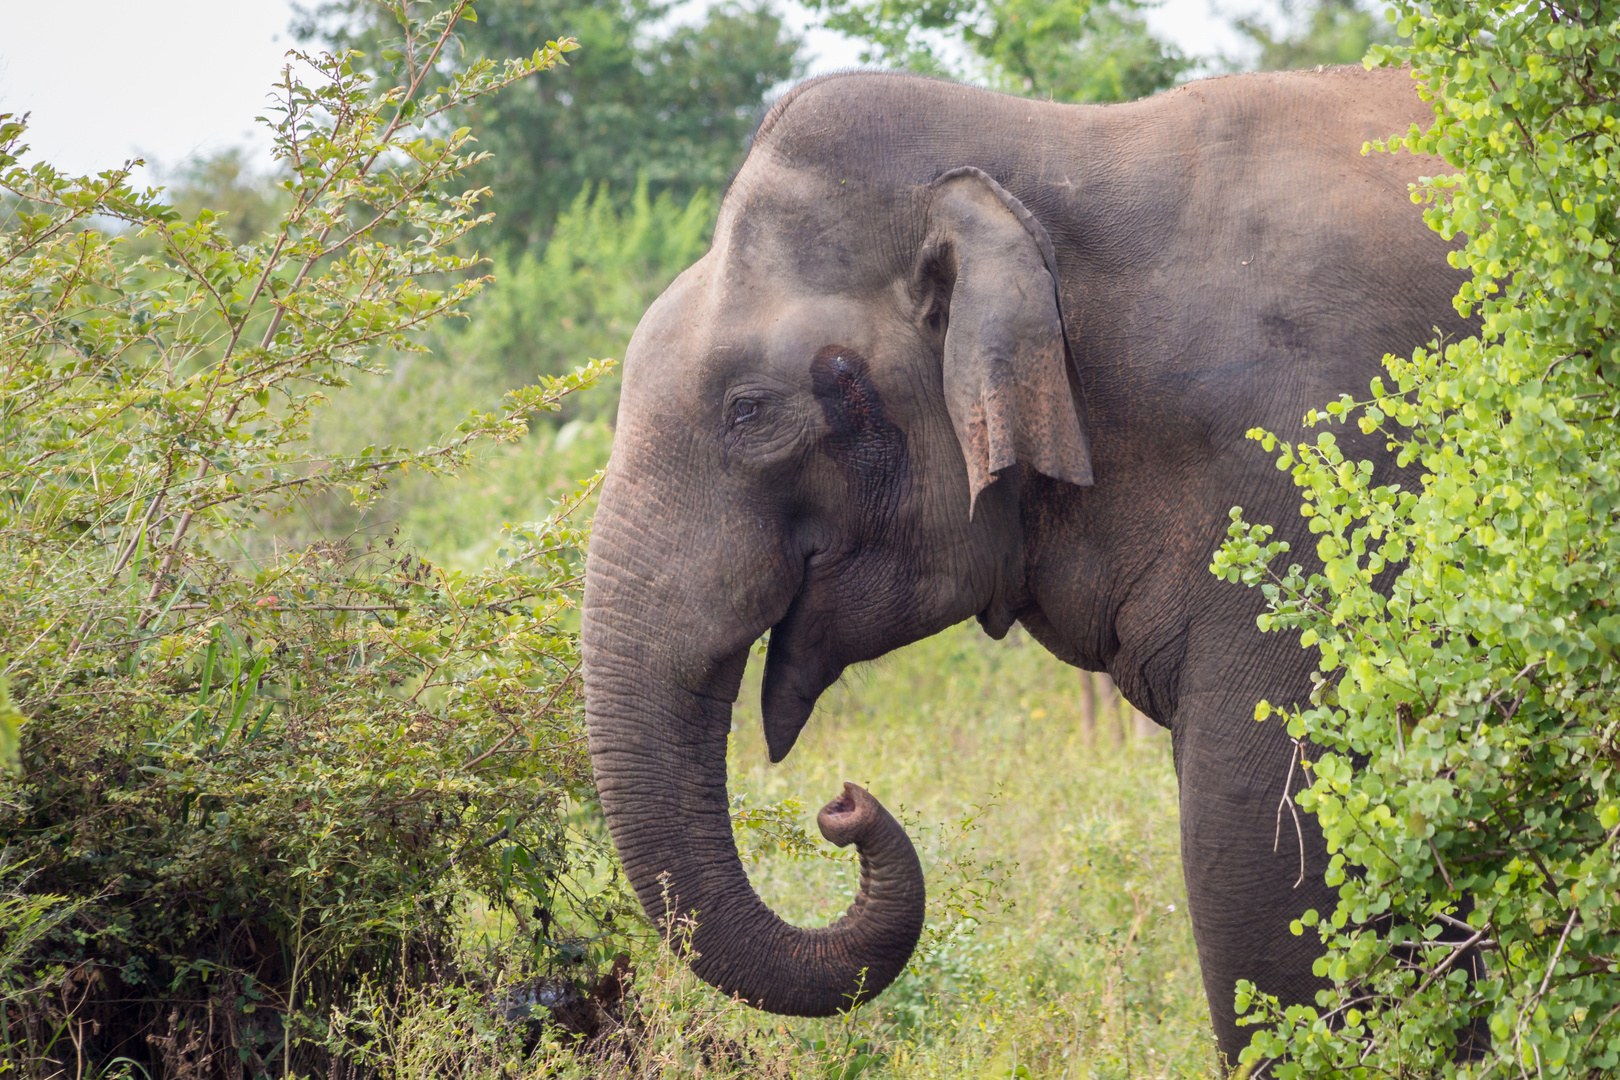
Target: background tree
{"type": "Point", "coordinates": [1318, 32]}
{"type": "Point", "coordinates": [1066, 50]}
{"type": "Point", "coordinates": [674, 105]}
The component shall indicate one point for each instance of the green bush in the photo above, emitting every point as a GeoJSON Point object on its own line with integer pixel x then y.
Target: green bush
{"type": "Point", "coordinates": [580, 295]}
{"type": "Point", "coordinates": [584, 291]}
{"type": "Point", "coordinates": [1463, 730]}
{"type": "Point", "coordinates": [255, 783]}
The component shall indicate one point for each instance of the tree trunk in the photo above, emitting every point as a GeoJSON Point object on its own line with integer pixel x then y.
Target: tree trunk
{"type": "Point", "coordinates": [1088, 709]}
{"type": "Point", "coordinates": [1108, 709]}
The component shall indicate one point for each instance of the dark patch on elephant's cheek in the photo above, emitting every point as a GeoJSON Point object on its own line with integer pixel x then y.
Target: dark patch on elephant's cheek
{"type": "Point", "coordinates": [868, 449]}
{"type": "Point", "coordinates": [814, 642]}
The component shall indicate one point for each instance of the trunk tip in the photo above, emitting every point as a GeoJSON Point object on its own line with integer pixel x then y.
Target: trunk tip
{"type": "Point", "coordinates": [850, 817]}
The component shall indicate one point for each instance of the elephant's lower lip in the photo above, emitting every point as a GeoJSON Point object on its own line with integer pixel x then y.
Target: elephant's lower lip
{"type": "Point", "coordinates": [784, 704]}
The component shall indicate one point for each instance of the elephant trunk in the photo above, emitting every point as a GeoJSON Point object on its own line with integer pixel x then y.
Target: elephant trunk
{"type": "Point", "coordinates": [659, 712]}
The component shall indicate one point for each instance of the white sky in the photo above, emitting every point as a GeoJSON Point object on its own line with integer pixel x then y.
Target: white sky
{"type": "Point", "coordinates": [107, 80]}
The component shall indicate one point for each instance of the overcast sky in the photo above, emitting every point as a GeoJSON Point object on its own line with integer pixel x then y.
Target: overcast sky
{"type": "Point", "coordinates": [171, 79]}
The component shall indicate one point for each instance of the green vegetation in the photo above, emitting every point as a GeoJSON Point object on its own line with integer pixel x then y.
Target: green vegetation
{"type": "Point", "coordinates": [1068, 50]}
{"type": "Point", "coordinates": [1467, 625]}
{"type": "Point", "coordinates": [1089, 50]}
{"type": "Point", "coordinates": [642, 100]}
{"type": "Point", "coordinates": [579, 295]}
{"type": "Point", "coordinates": [605, 173]}
{"type": "Point", "coordinates": [1057, 939]}
{"type": "Point", "coordinates": [1324, 32]}
{"type": "Point", "coordinates": [254, 784]}
{"type": "Point", "coordinates": [1058, 943]}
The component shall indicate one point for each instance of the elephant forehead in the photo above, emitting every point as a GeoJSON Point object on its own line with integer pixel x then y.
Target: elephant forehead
{"type": "Point", "coordinates": [778, 333]}
{"type": "Point", "coordinates": [760, 331]}
{"type": "Point", "coordinates": [829, 234]}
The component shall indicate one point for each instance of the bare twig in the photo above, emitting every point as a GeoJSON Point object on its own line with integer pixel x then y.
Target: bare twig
{"type": "Point", "coordinates": [1456, 952]}
{"type": "Point", "coordinates": [140, 531]}
{"type": "Point", "coordinates": [1508, 714]}
{"type": "Point", "coordinates": [1453, 921]}
{"type": "Point", "coordinates": [1569, 924]}
{"type": "Point", "coordinates": [1439, 862]}
{"type": "Point", "coordinates": [1287, 800]}
{"type": "Point", "coordinates": [550, 701]}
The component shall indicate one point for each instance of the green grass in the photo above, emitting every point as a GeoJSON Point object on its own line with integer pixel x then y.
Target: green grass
{"type": "Point", "coordinates": [1058, 941]}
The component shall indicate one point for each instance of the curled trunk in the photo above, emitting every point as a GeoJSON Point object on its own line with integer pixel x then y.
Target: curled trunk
{"type": "Point", "coordinates": [659, 752]}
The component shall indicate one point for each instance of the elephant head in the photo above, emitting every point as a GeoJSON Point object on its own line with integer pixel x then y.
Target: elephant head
{"type": "Point", "coordinates": [817, 438]}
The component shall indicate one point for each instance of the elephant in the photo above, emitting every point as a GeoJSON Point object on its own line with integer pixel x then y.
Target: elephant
{"type": "Point", "coordinates": [956, 354]}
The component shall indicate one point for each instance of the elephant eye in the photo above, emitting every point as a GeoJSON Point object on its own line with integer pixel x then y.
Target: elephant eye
{"type": "Point", "coordinates": [743, 409]}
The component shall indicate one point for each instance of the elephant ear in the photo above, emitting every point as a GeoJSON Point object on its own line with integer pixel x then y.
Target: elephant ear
{"type": "Point", "coordinates": [1007, 359]}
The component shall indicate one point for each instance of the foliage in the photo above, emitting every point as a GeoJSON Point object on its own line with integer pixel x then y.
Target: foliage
{"type": "Point", "coordinates": [255, 781]}
{"type": "Point", "coordinates": [225, 184]}
{"type": "Point", "coordinates": [1075, 958]}
{"type": "Point", "coordinates": [1316, 33]}
{"type": "Point", "coordinates": [584, 292]}
{"type": "Point", "coordinates": [11, 722]}
{"type": "Point", "coordinates": [659, 1023]}
{"type": "Point", "coordinates": [580, 295]}
{"type": "Point", "coordinates": [1464, 722]}
{"type": "Point", "coordinates": [1078, 963]}
{"type": "Point", "coordinates": [465, 522]}
{"type": "Point", "coordinates": [1067, 50]}
{"type": "Point", "coordinates": [646, 98]}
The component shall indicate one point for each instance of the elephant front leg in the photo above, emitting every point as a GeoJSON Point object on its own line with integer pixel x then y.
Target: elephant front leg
{"type": "Point", "coordinates": [1252, 865]}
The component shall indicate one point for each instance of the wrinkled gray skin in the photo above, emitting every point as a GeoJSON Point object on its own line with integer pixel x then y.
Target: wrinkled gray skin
{"type": "Point", "coordinates": [853, 423]}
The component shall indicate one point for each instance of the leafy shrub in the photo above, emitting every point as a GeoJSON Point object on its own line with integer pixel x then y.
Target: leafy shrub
{"type": "Point", "coordinates": [253, 782]}
{"type": "Point", "coordinates": [1465, 712]}
{"type": "Point", "coordinates": [581, 295]}
{"type": "Point", "coordinates": [584, 291]}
